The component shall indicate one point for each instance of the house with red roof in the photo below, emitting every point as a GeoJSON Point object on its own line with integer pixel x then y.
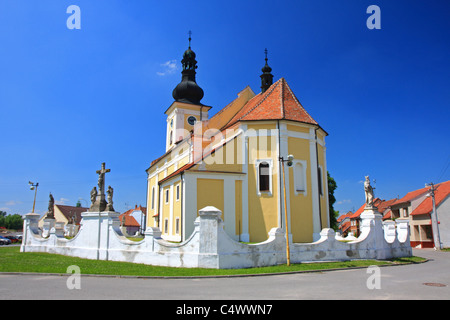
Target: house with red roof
{"type": "Point", "coordinates": [420, 217]}
{"type": "Point", "coordinates": [66, 214]}
{"type": "Point", "coordinates": [344, 223]}
{"type": "Point", "coordinates": [134, 220]}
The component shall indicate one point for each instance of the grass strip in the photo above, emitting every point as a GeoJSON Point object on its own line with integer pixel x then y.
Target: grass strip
{"type": "Point", "coordinates": [12, 260]}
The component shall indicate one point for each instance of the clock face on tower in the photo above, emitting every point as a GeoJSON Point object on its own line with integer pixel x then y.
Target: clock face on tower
{"type": "Point", "coordinates": [192, 120]}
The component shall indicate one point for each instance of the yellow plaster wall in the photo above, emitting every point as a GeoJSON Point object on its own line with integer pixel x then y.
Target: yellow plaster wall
{"type": "Point", "coordinates": [176, 208]}
{"type": "Point", "coordinates": [263, 209]}
{"type": "Point", "coordinates": [300, 205]}
{"type": "Point", "coordinates": [210, 192]}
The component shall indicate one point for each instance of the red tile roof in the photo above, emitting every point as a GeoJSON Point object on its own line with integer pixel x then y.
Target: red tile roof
{"type": "Point", "coordinates": [411, 196]}
{"type": "Point", "coordinates": [426, 206]}
{"type": "Point", "coordinates": [347, 215]}
{"type": "Point", "coordinates": [130, 221]}
{"type": "Point", "coordinates": [277, 103]}
{"type": "Point", "coordinates": [69, 212]}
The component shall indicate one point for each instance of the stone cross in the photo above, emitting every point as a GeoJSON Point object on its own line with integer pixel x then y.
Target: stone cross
{"type": "Point", "coordinates": [101, 178]}
{"type": "Point", "coordinates": [98, 198]}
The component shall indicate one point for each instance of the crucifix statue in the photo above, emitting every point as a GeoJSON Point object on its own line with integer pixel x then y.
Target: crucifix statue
{"type": "Point", "coordinates": [98, 197]}
{"type": "Point", "coordinates": [101, 178]}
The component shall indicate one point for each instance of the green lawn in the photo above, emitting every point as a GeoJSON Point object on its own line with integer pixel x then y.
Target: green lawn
{"type": "Point", "coordinates": [11, 260]}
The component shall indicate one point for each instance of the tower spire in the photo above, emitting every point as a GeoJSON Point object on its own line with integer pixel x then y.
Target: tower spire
{"type": "Point", "coordinates": [190, 35]}
{"type": "Point", "coordinates": [188, 90]}
{"type": "Point", "coordinates": [266, 77]}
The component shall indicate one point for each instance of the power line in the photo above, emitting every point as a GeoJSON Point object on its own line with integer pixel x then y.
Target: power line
{"type": "Point", "coordinates": [445, 168]}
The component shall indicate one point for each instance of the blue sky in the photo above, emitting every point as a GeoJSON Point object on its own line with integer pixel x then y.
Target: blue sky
{"type": "Point", "coordinates": [72, 99]}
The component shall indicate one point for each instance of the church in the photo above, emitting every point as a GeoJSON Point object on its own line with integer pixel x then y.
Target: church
{"type": "Point", "coordinates": [234, 161]}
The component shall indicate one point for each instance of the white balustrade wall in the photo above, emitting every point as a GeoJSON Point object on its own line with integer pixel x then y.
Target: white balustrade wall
{"type": "Point", "coordinates": [209, 246]}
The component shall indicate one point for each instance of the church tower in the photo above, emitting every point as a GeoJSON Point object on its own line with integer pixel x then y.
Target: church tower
{"type": "Point", "coordinates": [187, 109]}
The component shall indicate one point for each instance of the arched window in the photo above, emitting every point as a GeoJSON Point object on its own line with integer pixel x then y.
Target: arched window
{"type": "Point", "coordinates": [264, 177]}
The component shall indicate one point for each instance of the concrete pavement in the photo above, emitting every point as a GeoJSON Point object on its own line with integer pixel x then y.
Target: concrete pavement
{"type": "Point", "coordinates": [395, 282]}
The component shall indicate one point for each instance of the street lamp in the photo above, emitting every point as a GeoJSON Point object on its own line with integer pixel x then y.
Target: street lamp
{"type": "Point", "coordinates": [34, 187]}
{"type": "Point", "coordinates": [289, 160]}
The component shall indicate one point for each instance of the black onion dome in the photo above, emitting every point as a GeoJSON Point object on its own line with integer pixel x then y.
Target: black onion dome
{"type": "Point", "coordinates": [188, 91]}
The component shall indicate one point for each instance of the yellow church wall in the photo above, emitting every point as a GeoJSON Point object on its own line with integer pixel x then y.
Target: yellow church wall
{"type": "Point", "coordinates": [301, 210]}
{"type": "Point", "coordinates": [210, 192]}
{"type": "Point", "coordinates": [165, 212]}
{"type": "Point", "coordinates": [227, 158]}
{"type": "Point", "coordinates": [177, 209]}
{"type": "Point", "coordinates": [298, 128]}
{"type": "Point", "coordinates": [263, 207]}
{"type": "Point", "coordinates": [152, 184]}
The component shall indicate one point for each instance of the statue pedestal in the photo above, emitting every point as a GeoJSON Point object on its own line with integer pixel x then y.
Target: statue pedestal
{"type": "Point", "coordinates": [99, 204]}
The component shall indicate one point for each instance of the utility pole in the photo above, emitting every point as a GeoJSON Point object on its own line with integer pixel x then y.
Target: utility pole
{"type": "Point", "coordinates": [434, 218]}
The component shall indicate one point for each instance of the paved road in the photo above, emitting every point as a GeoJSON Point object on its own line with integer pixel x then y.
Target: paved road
{"type": "Point", "coordinates": [397, 282]}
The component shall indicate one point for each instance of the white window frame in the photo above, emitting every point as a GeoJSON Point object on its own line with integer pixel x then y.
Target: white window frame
{"type": "Point", "coordinates": [257, 164]}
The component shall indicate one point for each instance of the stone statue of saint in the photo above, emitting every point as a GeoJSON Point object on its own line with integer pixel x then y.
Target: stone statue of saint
{"type": "Point", "coordinates": [369, 193]}
{"type": "Point", "coordinates": [109, 206]}
{"type": "Point", "coordinates": [51, 204]}
{"type": "Point", "coordinates": [93, 196]}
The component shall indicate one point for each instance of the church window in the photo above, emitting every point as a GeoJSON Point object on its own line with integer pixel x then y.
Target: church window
{"type": "Point", "coordinates": [167, 195]}
{"type": "Point", "coordinates": [177, 225]}
{"type": "Point", "coordinates": [319, 177]}
{"type": "Point", "coordinates": [153, 198]}
{"type": "Point", "coordinates": [178, 192]}
{"type": "Point", "coordinates": [166, 226]}
{"type": "Point", "coordinates": [264, 176]}
{"type": "Point", "coordinates": [170, 137]}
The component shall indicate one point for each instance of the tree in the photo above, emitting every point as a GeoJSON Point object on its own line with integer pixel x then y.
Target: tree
{"type": "Point", "coordinates": [332, 186]}
{"type": "Point", "coordinates": [2, 219]}
{"type": "Point", "coordinates": [14, 221]}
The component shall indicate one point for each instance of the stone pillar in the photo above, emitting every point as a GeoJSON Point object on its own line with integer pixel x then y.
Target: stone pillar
{"type": "Point", "coordinates": [209, 226]}
{"type": "Point", "coordinates": [372, 232]}
{"type": "Point", "coordinates": [30, 225]}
